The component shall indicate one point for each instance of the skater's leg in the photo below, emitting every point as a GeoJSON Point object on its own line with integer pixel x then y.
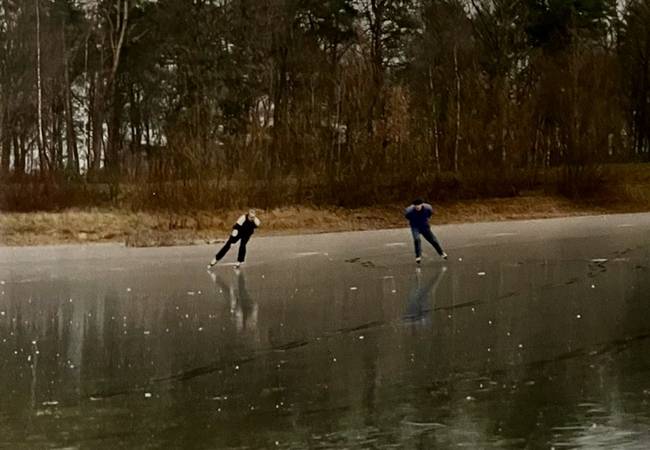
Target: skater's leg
{"type": "Point", "coordinates": [241, 256]}
{"type": "Point", "coordinates": [231, 240]}
{"type": "Point", "coordinates": [417, 242]}
{"type": "Point", "coordinates": [431, 238]}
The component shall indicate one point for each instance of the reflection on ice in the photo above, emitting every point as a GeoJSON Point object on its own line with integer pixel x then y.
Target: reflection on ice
{"type": "Point", "coordinates": [432, 358]}
{"type": "Point", "coordinates": [242, 306]}
{"type": "Point", "coordinates": [421, 298]}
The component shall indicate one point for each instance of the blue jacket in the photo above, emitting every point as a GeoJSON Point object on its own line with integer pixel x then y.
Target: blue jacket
{"type": "Point", "coordinates": [419, 219]}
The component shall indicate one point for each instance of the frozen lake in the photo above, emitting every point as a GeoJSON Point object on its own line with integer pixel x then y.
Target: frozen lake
{"type": "Point", "coordinates": [533, 334]}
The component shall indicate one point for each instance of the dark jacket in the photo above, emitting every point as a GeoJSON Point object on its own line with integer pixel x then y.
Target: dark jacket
{"type": "Point", "coordinates": [245, 227]}
{"type": "Point", "coordinates": [419, 219]}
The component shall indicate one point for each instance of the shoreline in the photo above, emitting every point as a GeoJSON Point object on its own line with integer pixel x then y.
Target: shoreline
{"type": "Point", "coordinates": [148, 229]}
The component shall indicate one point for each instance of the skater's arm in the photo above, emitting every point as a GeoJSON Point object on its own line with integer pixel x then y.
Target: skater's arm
{"type": "Point", "coordinates": [240, 221]}
{"type": "Point", "coordinates": [408, 211]}
{"type": "Point", "coordinates": [237, 226]}
{"type": "Point", "coordinates": [257, 222]}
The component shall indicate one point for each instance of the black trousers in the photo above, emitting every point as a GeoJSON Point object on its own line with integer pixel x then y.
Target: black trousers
{"type": "Point", "coordinates": [241, 255]}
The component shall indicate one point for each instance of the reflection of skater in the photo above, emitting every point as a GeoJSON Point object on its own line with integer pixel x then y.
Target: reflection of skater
{"type": "Point", "coordinates": [242, 306]}
{"type": "Point", "coordinates": [418, 215]}
{"type": "Point", "coordinates": [242, 231]}
{"type": "Point", "coordinates": [418, 306]}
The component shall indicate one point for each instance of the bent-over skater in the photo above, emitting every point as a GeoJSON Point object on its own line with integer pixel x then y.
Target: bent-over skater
{"type": "Point", "coordinates": [418, 215]}
{"type": "Point", "coordinates": [242, 231]}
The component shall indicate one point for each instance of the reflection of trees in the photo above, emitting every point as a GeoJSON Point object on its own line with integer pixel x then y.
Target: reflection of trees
{"type": "Point", "coordinates": [583, 382]}
{"type": "Point", "coordinates": [46, 343]}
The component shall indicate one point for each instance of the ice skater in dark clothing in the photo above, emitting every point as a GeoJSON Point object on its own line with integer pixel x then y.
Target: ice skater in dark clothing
{"type": "Point", "coordinates": [418, 215]}
{"type": "Point", "coordinates": [242, 231]}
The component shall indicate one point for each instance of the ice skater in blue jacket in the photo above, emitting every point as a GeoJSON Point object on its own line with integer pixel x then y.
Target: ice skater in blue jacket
{"type": "Point", "coordinates": [418, 215]}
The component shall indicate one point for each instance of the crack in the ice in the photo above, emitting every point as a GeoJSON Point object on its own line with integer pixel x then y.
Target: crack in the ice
{"type": "Point", "coordinates": [597, 268]}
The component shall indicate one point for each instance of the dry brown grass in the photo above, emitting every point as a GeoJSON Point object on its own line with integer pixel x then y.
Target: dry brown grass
{"type": "Point", "coordinates": [628, 190]}
{"type": "Point", "coordinates": [629, 185]}
{"type": "Point", "coordinates": [150, 229]}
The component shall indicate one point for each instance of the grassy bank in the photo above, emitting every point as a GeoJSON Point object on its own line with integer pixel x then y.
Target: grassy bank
{"type": "Point", "coordinates": [625, 188]}
{"type": "Point", "coordinates": [159, 229]}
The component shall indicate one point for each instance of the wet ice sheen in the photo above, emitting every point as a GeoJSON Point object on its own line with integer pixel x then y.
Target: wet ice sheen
{"type": "Point", "coordinates": [289, 355]}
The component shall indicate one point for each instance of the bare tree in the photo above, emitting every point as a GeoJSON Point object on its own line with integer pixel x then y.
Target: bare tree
{"type": "Point", "coordinates": [42, 152]}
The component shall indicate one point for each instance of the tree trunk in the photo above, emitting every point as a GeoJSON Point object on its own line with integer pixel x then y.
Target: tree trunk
{"type": "Point", "coordinates": [70, 134]}
{"type": "Point", "coordinates": [114, 144]}
{"type": "Point", "coordinates": [376, 18]}
{"type": "Point", "coordinates": [434, 117]}
{"type": "Point", "coordinates": [504, 95]}
{"type": "Point", "coordinates": [43, 163]}
{"type": "Point", "coordinates": [280, 106]}
{"type": "Point", "coordinates": [96, 123]}
{"type": "Point", "coordinates": [57, 136]}
{"type": "Point", "coordinates": [19, 156]}
{"type": "Point", "coordinates": [457, 139]}
{"type": "Point", "coordinates": [5, 144]}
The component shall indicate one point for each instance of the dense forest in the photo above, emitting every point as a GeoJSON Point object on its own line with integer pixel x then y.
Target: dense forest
{"type": "Point", "coordinates": [210, 103]}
